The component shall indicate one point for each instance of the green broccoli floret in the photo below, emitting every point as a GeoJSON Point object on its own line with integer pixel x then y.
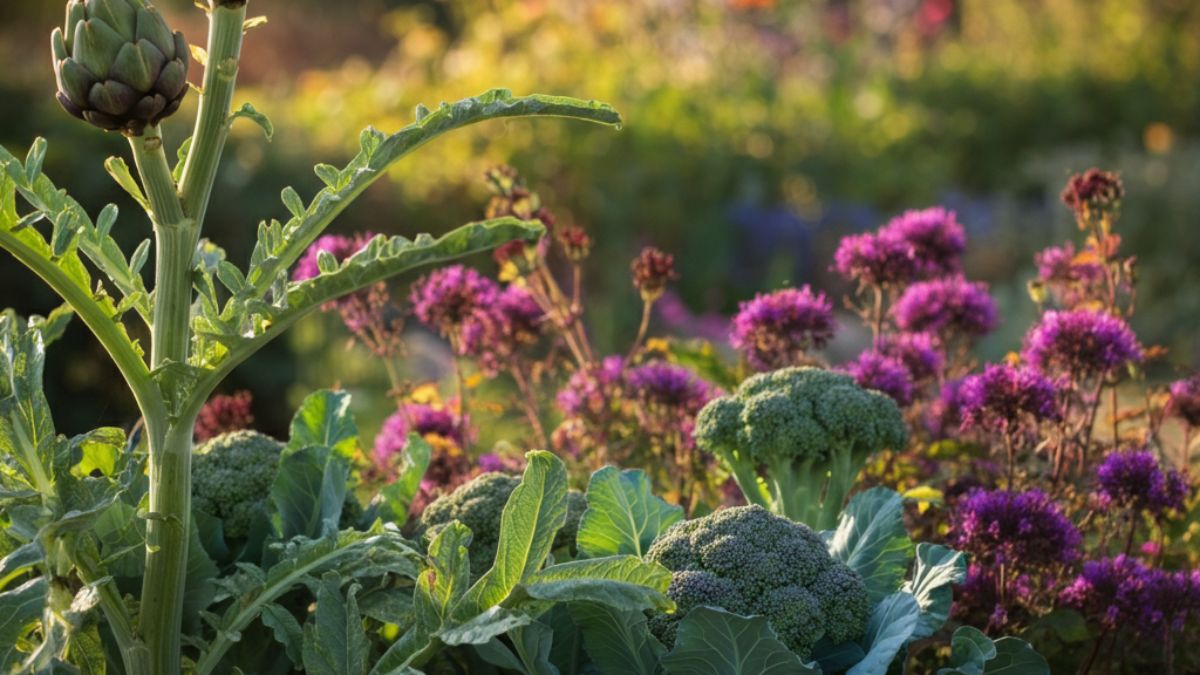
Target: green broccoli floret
{"type": "Point", "coordinates": [478, 504]}
{"type": "Point", "coordinates": [795, 439]}
{"type": "Point", "coordinates": [747, 560]}
{"type": "Point", "coordinates": [232, 476]}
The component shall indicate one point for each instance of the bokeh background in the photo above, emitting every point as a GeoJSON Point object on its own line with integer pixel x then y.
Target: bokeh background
{"type": "Point", "coordinates": [757, 133]}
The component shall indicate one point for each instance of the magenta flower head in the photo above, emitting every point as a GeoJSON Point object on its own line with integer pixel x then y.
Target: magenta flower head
{"type": "Point", "coordinates": [937, 239]}
{"type": "Point", "coordinates": [1024, 530]}
{"type": "Point", "coordinates": [946, 307]}
{"type": "Point", "coordinates": [919, 352]}
{"type": "Point", "coordinates": [1185, 400]}
{"type": "Point", "coordinates": [459, 303]}
{"type": "Point", "coordinates": [669, 397]}
{"type": "Point", "coordinates": [776, 330]}
{"type": "Point", "coordinates": [422, 419]}
{"type": "Point", "coordinates": [872, 370]}
{"type": "Point", "coordinates": [590, 392]}
{"type": "Point", "coordinates": [1133, 479]}
{"type": "Point", "coordinates": [1121, 591]}
{"type": "Point", "coordinates": [1004, 398]}
{"type": "Point", "coordinates": [336, 245]}
{"type": "Point", "coordinates": [669, 386]}
{"type": "Point", "coordinates": [873, 259]}
{"type": "Point", "coordinates": [1081, 342]}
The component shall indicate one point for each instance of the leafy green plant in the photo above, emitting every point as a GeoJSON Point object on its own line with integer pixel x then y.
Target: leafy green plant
{"type": "Point", "coordinates": [118, 66]}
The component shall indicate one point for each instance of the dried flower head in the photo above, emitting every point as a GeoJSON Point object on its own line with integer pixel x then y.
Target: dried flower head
{"type": "Point", "coordinates": [652, 271]}
{"type": "Point", "coordinates": [1081, 342]}
{"type": "Point", "coordinates": [575, 243]}
{"type": "Point", "coordinates": [1185, 400]}
{"type": "Point", "coordinates": [776, 330]}
{"type": "Point", "coordinates": [1093, 190]}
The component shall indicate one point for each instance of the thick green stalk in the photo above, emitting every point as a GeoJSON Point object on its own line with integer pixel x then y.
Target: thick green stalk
{"type": "Point", "coordinates": [166, 546]}
{"type": "Point", "coordinates": [170, 440]}
{"type": "Point", "coordinates": [212, 123]}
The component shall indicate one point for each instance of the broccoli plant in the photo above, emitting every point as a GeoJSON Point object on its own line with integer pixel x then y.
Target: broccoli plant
{"type": "Point", "coordinates": [232, 476]}
{"type": "Point", "coordinates": [121, 68]}
{"type": "Point", "coordinates": [479, 505]}
{"type": "Point", "coordinates": [795, 439]}
{"type": "Point", "coordinates": [750, 561]}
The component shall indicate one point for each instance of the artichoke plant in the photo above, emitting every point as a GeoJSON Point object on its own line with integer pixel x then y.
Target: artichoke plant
{"type": "Point", "coordinates": [118, 64]}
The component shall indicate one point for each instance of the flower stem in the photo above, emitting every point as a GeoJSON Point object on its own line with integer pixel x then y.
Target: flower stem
{"type": "Point", "coordinates": [212, 122]}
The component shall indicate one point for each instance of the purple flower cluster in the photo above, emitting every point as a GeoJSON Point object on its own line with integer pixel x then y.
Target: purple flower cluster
{"type": "Point", "coordinates": [1024, 530]}
{"type": "Point", "coordinates": [776, 330]}
{"type": "Point", "coordinates": [919, 352]}
{"type": "Point", "coordinates": [915, 245]}
{"type": "Point", "coordinates": [943, 416]}
{"type": "Point", "coordinates": [1135, 480]}
{"type": "Point", "coordinates": [1185, 400]}
{"type": "Point", "coordinates": [422, 419]}
{"type": "Point", "coordinates": [1121, 591]}
{"type": "Point", "coordinates": [936, 237]}
{"type": "Point", "coordinates": [945, 306]}
{"type": "Point", "coordinates": [874, 260]}
{"type": "Point", "coordinates": [1081, 342]}
{"type": "Point", "coordinates": [480, 319]}
{"type": "Point", "coordinates": [492, 462]}
{"type": "Point", "coordinates": [873, 370]}
{"type": "Point", "coordinates": [589, 392]}
{"type": "Point", "coordinates": [1004, 398]}
{"type": "Point", "coordinates": [667, 385]}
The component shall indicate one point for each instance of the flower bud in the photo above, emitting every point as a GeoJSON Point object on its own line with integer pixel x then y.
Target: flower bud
{"type": "Point", "coordinates": [652, 270]}
{"type": "Point", "coordinates": [118, 65]}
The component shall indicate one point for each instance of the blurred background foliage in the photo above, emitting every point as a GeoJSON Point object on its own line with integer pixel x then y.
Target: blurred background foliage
{"type": "Point", "coordinates": [757, 133]}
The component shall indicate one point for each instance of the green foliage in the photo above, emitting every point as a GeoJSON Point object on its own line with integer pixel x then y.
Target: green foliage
{"type": "Point", "coordinates": [871, 539]}
{"type": "Point", "coordinates": [973, 653]}
{"type": "Point", "coordinates": [714, 642]}
{"type": "Point", "coordinates": [749, 561]}
{"type": "Point", "coordinates": [811, 429]}
{"type": "Point", "coordinates": [231, 477]}
{"type": "Point", "coordinates": [623, 516]}
{"type": "Point", "coordinates": [517, 588]}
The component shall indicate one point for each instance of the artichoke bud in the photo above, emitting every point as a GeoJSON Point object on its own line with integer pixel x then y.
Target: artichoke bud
{"type": "Point", "coordinates": [118, 65]}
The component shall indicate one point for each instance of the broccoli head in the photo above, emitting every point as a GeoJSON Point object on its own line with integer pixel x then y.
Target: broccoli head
{"type": "Point", "coordinates": [478, 504]}
{"type": "Point", "coordinates": [795, 439]}
{"type": "Point", "coordinates": [747, 560]}
{"type": "Point", "coordinates": [232, 476]}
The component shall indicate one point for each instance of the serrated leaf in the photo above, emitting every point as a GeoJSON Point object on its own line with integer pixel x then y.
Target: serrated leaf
{"type": "Point", "coordinates": [249, 112]}
{"type": "Point", "coordinates": [293, 202]}
{"type": "Point", "coordinates": [329, 175]}
{"type": "Point", "coordinates": [445, 578]}
{"type": "Point", "coordinates": [871, 540]}
{"type": "Point", "coordinates": [712, 641]}
{"type": "Point", "coordinates": [286, 629]}
{"type": "Point", "coordinates": [334, 640]}
{"type": "Point", "coordinates": [375, 157]}
{"type": "Point", "coordinates": [623, 515]}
